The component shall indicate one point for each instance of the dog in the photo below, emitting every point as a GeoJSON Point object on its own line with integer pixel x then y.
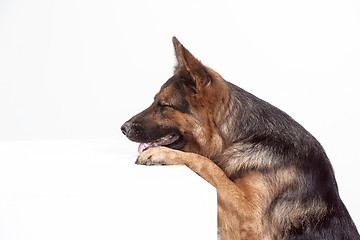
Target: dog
{"type": "Point", "coordinates": [273, 178]}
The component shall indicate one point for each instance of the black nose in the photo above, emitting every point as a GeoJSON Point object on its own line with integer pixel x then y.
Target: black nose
{"type": "Point", "coordinates": [125, 128]}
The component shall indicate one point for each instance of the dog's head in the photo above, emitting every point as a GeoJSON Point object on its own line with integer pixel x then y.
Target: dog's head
{"type": "Point", "coordinates": [185, 112]}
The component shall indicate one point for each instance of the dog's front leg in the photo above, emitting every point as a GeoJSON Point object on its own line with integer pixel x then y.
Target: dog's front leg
{"type": "Point", "coordinates": [236, 214]}
{"type": "Point", "coordinates": [199, 164]}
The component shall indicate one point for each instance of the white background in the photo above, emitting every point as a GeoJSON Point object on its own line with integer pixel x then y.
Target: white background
{"type": "Point", "coordinates": [78, 69]}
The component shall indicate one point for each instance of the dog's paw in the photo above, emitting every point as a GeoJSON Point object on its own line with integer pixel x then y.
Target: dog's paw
{"type": "Point", "coordinates": [159, 156]}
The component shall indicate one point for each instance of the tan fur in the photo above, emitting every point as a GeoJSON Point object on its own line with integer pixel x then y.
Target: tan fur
{"type": "Point", "coordinates": [238, 204]}
{"type": "Point", "coordinates": [247, 206]}
{"type": "Point", "coordinates": [242, 204]}
{"type": "Point", "coordinates": [203, 128]}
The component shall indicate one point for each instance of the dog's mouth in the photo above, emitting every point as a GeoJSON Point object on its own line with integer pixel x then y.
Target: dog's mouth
{"type": "Point", "coordinates": [167, 141]}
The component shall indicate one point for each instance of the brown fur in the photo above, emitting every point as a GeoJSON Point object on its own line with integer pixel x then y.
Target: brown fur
{"type": "Point", "coordinates": [239, 202]}
{"type": "Point", "coordinates": [257, 183]}
{"type": "Point", "coordinates": [238, 207]}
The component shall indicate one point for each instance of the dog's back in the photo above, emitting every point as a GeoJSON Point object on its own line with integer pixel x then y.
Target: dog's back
{"type": "Point", "coordinates": [305, 203]}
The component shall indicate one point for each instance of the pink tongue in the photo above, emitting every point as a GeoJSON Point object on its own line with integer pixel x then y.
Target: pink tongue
{"type": "Point", "coordinates": [141, 148]}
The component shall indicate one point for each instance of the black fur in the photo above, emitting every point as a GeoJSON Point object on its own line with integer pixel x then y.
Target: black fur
{"type": "Point", "coordinates": [261, 124]}
{"type": "Point", "coordinates": [252, 142]}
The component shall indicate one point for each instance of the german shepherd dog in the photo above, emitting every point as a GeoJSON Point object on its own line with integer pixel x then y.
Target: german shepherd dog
{"type": "Point", "coordinates": [273, 178]}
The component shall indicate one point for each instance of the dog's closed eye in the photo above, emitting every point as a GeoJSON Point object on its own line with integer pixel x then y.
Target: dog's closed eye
{"type": "Point", "coordinates": [159, 106]}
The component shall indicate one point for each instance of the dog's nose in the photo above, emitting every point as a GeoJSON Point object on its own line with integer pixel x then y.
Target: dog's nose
{"type": "Point", "coordinates": [125, 128]}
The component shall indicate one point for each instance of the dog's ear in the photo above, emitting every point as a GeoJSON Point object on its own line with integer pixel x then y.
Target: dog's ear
{"type": "Point", "coordinates": [193, 66]}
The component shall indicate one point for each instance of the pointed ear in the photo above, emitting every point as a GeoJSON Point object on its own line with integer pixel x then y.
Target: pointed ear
{"type": "Point", "coordinates": [193, 66]}
{"type": "Point", "coordinates": [177, 45]}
